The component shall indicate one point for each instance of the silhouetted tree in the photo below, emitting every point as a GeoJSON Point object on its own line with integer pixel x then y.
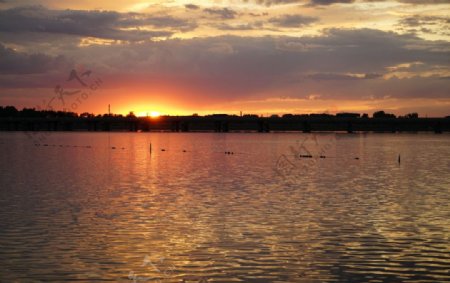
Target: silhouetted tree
{"type": "Point", "coordinates": [412, 115]}
{"type": "Point", "coordinates": [86, 115]}
{"type": "Point", "coordinates": [31, 113]}
{"type": "Point", "coordinates": [321, 115]}
{"type": "Point", "coordinates": [131, 115]}
{"type": "Point", "coordinates": [9, 111]}
{"type": "Point", "coordinates": [348, 115]}
{"type": "Point", "coordinates": [382, 114]}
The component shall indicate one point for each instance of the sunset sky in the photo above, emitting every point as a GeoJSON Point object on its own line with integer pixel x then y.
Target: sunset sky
{"type": "Point", "coordinates": [256, 56]}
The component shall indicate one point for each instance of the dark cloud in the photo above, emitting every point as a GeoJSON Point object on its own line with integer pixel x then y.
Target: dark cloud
{"type": "Point", "coordinates": [234, 67]}
{"type": "Point", "coordinates": [293, 20]}
{"type": "Point", "coordinates": [418, 20]}
{"type": "Point", "coordinates": [275, 2]}
{"type": "Point", "coordinates": [99, 24]}
{"type": "Point", "coordinates": [338, 64]}
{"type": "Point", "coordinates": [362, 51]}
{"type": "Point", "coordinates": [336, 76]}
{"type": "Point", "coordinates": [192, 6]}
{"type": "Point", "coordinates": [158, 22]}
{"type": "Point", "coordinates": [223, 13]}
{"type": "Point", "coordinates": [329, 2]}
{"type": "Point", "coordinates": [331, 77]}
{"type": "Point", "coordinates": [309, 2]}
{"type": "Point", "coordinates": [424, 2]}
{"type": "Point", "coordinates": [12, 62]}
{"type": "Point", "coordinates": [372, 76]}
{"type": "Point", "coordinates": [258, 15]}
{"type": "Point", "coordinates": [425, 24]}
{"type": "Point", "coordinates": [248, 26]}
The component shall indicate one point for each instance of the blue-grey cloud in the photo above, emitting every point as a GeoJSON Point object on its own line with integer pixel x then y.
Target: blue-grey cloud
{"type": "Point", "coordinates": [338, 77]}
{"type": "Point", "coordinates": [331, 2]}
{"type": "Point", "coordinates": [424, 2]}
{"type": "Point", "coordinates": [99, 24]}
{"type": "Point", "coordinates": [425, 24]}
{"type": "Point", "coordinates": [247, 26]}
{"type": "Point", "coordinates": [293, 20]}
{"type": "Point", "coordinates": [275, 2]}
{"type": "Point", "coordinates": [234, 66]}
{"type": "Point", "coordinates": [309, 2]}
{"type": "Point", "coordinates": [223, 13]}
{"type": "Point", "coordinates": [418, 20]}
{"type": "Point", "coordinates": [12, 62]}
{"type": "Point", "coordinates": [337, 64]}
{"type": "Point", "coordinates": [192, 6]}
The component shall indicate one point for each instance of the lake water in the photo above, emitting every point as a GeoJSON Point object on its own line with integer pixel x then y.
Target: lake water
{"type": "Point", "coordinates": [98, 207]}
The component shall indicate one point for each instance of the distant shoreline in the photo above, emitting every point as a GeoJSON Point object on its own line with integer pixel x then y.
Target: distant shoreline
{"type": "Point", "coordinates": [225, 124]}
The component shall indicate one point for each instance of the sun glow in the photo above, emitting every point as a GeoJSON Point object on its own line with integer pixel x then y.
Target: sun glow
{"type": "Point", "coordinates": [154, 114]}
{"type": "Point", "coordinates": [151, 114]}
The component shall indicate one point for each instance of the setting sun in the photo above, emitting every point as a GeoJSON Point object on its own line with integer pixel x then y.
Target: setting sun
{"type": "Point", "coordinates": [154, 114]}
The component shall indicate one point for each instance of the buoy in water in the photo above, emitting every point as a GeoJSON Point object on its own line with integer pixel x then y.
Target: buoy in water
{"type": "Point", "coordinates": [306, 156]}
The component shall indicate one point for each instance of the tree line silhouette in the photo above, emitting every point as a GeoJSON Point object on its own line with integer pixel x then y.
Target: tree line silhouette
{"type": "Point", "coordinates": [11, 111]}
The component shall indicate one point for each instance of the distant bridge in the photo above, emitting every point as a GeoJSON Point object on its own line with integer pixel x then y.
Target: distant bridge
{"type": "Point", "coordinates": [227, 124]}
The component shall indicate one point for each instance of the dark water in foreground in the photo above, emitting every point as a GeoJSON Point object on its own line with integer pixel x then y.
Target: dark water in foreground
{"type": "Point", "coordinates": [99, 214]}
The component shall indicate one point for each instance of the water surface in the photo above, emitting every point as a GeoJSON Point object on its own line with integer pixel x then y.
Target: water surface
{"type": "Point", "coordinates": [99, 207]}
